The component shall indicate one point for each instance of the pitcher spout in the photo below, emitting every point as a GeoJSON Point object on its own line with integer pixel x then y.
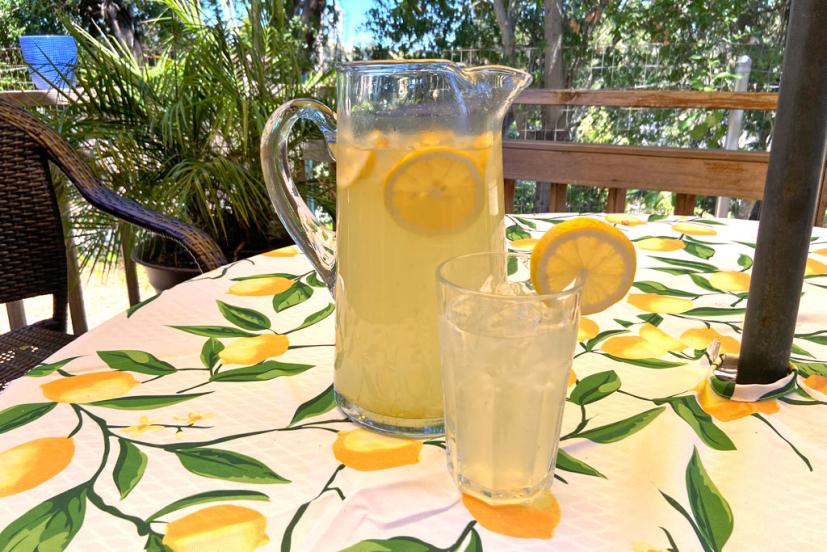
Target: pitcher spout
{"type": "Point", "coordinates": [496, 85]}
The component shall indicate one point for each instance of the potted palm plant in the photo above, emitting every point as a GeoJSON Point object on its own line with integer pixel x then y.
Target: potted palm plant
{"type": "Point", "coordinates": [180, 132]}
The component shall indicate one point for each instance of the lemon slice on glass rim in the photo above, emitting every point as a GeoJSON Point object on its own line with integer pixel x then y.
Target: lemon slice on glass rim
{"type": "Point", "coordinates": [601, 256]}
{"type": "Point", "coordinates": [435, 190]}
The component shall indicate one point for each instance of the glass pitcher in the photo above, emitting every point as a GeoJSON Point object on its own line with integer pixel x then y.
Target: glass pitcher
{"type": "Point", "coordinates": [418, 180]}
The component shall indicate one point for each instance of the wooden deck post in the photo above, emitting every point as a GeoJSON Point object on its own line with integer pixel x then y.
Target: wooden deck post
{"type": "Point", "coordinates": [616, 201]}
{"type": "Point", "coordinates": [510, 188]}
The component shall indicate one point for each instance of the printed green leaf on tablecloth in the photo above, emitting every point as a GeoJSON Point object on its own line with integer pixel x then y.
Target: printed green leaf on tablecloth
{"type": "Point", "coordinates": [623, 428]}
{"type": "Point", "coordinates": [514, 233]}
{"type": "Point", "coordinates": [21, 414]}
{"type": "Point", "coordinates": [215, 331]}
{"type": "Point", "coordinates": [209, 352]}
{"type": "Point", "coordinates": [710, 510]}
{"type": "Point", "coordinates": [146, 402]}
{"type": "Point", "coordinates": [595, 387]}
{"type": "Point", "coordinates": [321, 403]}
{"type": "Point", "coordinates": [649, 286]}
{"type": "Point", "coordinates": [227, 465]}
{"type": "Point", "coordinates": [248, 319]}
{"type": "Point", "coordinates": [690, 411]}
{"type": "Point", "coordinates": [136, 361]}
{"type": "Point", "coordinates": [263, 371]}
{"type": "Point", "coordinates": [49, 526]}
{"type": "Point", "coordinates": [45, 369]}
{"type": "Point", "coordinates": [569, 463]}
{"type": "Point", "coordinates": [296, 295]}
{"type": "Point", "coordinates": [209, 496]}
{"type": "Point", "coordinates": [129, 467]}
{"type": "Point", "coordinates": [316, 317]}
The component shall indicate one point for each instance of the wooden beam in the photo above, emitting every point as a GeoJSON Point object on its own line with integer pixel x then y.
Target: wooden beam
{"type": "Point", "coordinates": [700, 172]}
{"type": "Point", "coordinates": [510, 187]}
{"type": "Point", "coordinates": [668, 99]}
{"type": "Point", "coordinates": [616, 200]}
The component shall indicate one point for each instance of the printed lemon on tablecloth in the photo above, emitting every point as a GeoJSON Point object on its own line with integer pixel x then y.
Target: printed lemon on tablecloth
{"type": "Point", "coordinates": [651, 343]}
{"type": "Point", "coordinates": [623, 219]}
{"type": "Point", "coordinates": [815, 385]}
{"type": "Point", "coordinates": [660, 304]}
{"type": "Point", "coordinates": [289, 251]}
{"type": "Point", "coordinates": [700, 338]}
{"type": "Point", "coordinates": [587, 329]}
{"type": "Point", "coordinates": [660, 244]}
{"type": "Point", "coordinates": [260, 287]}
{"type": "Point", "coordinates": [252, 350]}
{"type": "Point", "coordinates": [815, 268]}
{"type": "Point", "coordinates": [226, 528]}
{"type": "Point", "coordinates": [693, 229]}
{"type": "Point", "coordinates": [726, 410]}
{"type": "Point", "coordinates": [729, 280]}
{"type": "Point", "coordinates": [525, 244]}
{"type": "Point", "coordinates": [365, 450]}
{"type": "Point", "coordinates": [28, 465]}
{"type": "Point", "coordinates": [534, 520]}
{"type": "Point", "coordinates": [87, 388]}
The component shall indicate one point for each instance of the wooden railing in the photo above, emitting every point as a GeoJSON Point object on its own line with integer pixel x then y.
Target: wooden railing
{"type": "Point", "coordinates": [684, 171]}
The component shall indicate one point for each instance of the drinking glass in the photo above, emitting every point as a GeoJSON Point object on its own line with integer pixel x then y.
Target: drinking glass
{"type": "Point", "coordinates": [506, 352]}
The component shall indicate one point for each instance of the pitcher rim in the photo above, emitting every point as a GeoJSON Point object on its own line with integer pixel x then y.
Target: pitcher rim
{"type": "Point", "coordinates": [429, 62]}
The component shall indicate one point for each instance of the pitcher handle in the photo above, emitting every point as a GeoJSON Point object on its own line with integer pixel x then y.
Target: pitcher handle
{"type": "Point", "coordinates": [315, 241]}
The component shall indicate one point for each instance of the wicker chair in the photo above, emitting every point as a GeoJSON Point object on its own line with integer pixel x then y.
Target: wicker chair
{"type": "Point", "coordinates": [32, 246]}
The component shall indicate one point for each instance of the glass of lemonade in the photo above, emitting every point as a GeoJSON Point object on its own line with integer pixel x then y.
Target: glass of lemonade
{"type": "Point", "coordinates": [506, 353]}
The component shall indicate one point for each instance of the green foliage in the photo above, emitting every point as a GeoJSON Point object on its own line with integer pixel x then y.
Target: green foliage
{"type": "Point", "coordinates": [22, 17]}
{"type": "Point", "coordinates": [180, 132]}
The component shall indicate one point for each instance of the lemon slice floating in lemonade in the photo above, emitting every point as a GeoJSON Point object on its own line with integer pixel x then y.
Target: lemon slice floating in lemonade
{"type": "Point", "coordinates": [435, 190]}
{"type": "Point", "coordinates": [601, 255]}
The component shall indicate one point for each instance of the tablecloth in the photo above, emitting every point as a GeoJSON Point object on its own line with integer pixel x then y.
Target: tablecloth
{"type": "Point", "coordinates": [204, 418]}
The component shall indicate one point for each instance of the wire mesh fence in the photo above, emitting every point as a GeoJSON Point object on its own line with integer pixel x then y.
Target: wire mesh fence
{"type": "Point", "coordinates": [14, 75]}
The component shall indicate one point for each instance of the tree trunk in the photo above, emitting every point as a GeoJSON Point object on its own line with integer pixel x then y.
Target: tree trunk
{"type": "Point", "coordinates": [117, 17]}
{"type": "Point", "coordinates": [504, 11]}
{"type": "Point", "coordinates": [311, 17]}
{"type": "Point", "coordinates": [554, 74]}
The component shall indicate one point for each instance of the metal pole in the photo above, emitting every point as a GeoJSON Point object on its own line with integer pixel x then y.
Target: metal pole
{"type": "Point", "coordinates": [790, 196]}
{"type": "Point", "coordinates": [734, 124]}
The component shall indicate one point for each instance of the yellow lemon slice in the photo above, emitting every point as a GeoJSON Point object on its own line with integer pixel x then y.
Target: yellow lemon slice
{"type": "Point", "coordinates": [352, 164]}
{"type": "Point", "coordinates": [601, 255]}
{"type": "Point", "coordinates": [435, 190]}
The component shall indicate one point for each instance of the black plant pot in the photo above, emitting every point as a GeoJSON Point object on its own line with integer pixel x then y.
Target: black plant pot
{"type": "Point", "coordinates": [162, 276]}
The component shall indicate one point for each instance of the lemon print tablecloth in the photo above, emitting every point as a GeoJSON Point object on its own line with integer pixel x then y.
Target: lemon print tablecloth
{"type": "Point", "coordinates": [203, 419]}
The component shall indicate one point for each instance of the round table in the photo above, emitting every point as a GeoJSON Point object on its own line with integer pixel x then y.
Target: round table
{"type": "Point", "coordinates": [132, 437]}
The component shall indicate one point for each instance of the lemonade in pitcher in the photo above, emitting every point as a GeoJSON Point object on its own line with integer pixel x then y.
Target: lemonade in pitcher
{"type": "Point", "coordinates": [413, 200]}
